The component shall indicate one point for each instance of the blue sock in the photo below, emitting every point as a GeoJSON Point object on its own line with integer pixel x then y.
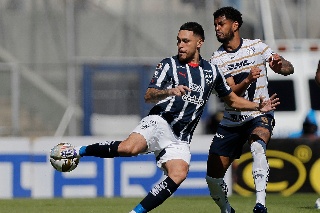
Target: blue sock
{"type": "Point", "coordinates": [82, 150]}
{"type": "Point", "coordinates": [139, 209]}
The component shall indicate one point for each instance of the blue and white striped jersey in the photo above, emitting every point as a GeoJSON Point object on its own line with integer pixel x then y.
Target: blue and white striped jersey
{"type": "Point", "coordinates": [183, 113]}
{"type": "Point", "coordinates": [238, 63]}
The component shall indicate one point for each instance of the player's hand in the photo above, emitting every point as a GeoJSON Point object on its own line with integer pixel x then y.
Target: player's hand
{"type": "Point", "coordinates": [268, 105]}
{"type": "Point", "coordinates": [179, 90]}
{"type": "Point", "coordinates": [275, 63]}
{"type": "Point", "coordinates": [254, 74]}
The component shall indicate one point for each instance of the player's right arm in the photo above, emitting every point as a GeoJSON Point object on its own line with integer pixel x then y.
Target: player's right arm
{"type": "Point", "coordinates": [241, 87]}
{"type": "Point", "coordinates": [242, 104]}
{"type": "Point", "coordinates": [154, 95]}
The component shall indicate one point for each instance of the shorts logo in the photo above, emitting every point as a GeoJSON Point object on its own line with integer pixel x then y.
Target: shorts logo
{"type": "Point", "coordinates": [147, 124]}
{"type": "Point", "coordinates": [265, 120]}
{"type": "Point", "coordinates": [217, 135]}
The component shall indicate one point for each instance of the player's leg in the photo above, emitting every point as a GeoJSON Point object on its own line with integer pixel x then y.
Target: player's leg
{"type": "Point", "coordinates": [139, 141]}
{"type": "Point", "coordinates": [258, 139]}
{"type": "Point", "coordinates": [225, 147]}
{"type": "Point", "coordinates": [132, 146]}
{"type": "Point", "coordinates": [216, 169]}
{"type": "Point", "coordinates": [175, 161]}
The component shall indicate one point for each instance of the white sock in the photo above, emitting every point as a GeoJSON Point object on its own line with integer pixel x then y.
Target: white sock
{"type": "Point", "coordinates": [218, 191]}
{"type": "Point", "coordinates": [260, 170]}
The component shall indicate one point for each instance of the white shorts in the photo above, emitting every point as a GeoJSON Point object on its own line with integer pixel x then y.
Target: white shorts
{"type": "Point", "coordinates": [162, 141]}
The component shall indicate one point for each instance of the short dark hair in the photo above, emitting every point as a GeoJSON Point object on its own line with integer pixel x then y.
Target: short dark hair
{"type": "Point", "coordinates": [195, 27]}
{"type": "Point", "coordinates": [230, 13]}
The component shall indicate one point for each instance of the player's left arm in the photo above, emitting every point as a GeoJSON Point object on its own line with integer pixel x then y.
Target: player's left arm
{"type": "Point", "coordinates": [280, 65]}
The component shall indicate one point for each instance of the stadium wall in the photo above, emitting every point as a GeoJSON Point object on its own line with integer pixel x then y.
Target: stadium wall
{"type": "Point", "coordinates": [27, 173]}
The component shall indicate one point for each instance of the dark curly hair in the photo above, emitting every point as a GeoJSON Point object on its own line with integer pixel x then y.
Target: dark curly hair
{"type": "Point", "coordinates": [230, 13]}
{"type": "Point", "coordinates": [195, 28]}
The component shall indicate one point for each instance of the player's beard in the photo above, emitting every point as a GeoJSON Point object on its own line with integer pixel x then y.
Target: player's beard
{"type": "Point", "coordinates": [184, 59]}
{"type": "Point", "coordinates": [227, 37]}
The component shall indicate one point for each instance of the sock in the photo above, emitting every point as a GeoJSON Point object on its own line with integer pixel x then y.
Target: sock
{"type": "Point", "coordinates": [109, 149]}
{"type": "Point", "coordinates": [260, 170]}
{"type": "Point", "coordinates": [218, 191]}
{"type": "Point", "coordinates": [157, 195]}
{"type": "Point", "coordinates": [138, 209]}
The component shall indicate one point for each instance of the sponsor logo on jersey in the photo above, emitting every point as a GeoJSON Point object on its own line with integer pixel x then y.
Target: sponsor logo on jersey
{"type": "Point", "coordinates": [196, 88]}
{"type": "Point", "coordinates": [239, 65]}
{"type": "Point", "coordinates": [193, 99]}
{"type": "Point", "coordinates": [209, 78]}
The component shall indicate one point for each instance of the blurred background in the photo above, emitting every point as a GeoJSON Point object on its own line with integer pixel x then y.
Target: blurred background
{"type": "Point", "coordinates": [81, 67]}
{"type": "Point", "coordinates": [76, 68]}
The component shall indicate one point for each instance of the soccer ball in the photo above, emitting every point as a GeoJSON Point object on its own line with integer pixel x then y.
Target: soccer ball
{"type": "Point", "coordinates": [62, 157]}
{"type": "Point", "coordinates": [317, 204]}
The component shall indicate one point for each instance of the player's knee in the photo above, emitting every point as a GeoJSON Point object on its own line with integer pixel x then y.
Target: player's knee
{"type": "Point", "coordinates": [178, 177]}
{"type": "Point", "coordinates": [178, 173]}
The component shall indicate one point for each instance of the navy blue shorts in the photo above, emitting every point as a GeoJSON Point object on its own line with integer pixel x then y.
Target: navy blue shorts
{"type": "Point", "coordinates": [229, 141]}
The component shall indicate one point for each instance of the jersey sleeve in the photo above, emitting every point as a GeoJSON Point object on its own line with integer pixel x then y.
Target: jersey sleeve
{"type": "Point", "coordinates": [223, 67]}
{"type": "Point", "coordinates": [266, 51]}
{"type": "Point", "coordinates": [161, 77]}
{"type": "Point", "coordinates": [221, 87]}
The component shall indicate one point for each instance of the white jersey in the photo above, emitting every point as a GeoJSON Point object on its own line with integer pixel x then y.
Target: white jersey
{"type": "Point", "coordinates": [238, 64]}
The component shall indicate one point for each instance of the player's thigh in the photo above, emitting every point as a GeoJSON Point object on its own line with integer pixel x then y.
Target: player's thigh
{"type": "Point", "coordinates": [228, 141]}
{"type": "Point", "coordinates": [174, 160]}
{"type": "Point", "coordinates": [218, 165]}
{"type": "Point", "coordinates": [133, 145]}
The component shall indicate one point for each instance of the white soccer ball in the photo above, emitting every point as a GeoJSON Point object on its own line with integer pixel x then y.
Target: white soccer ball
{"type": "Point", "coordinates": [317, 204]}
{"type": "Point", "coordinates": [62, 157]}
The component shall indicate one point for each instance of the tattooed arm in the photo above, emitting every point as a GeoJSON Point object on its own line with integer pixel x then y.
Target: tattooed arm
{"type": "Point", "coordinates": [280, 65]}
{"type": "Point", "coordinates": [154, 95]}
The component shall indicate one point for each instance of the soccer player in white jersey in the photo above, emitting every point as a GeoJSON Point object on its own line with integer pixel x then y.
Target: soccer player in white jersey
{"type": "Point", "coordinates": [180, 87]}
{"type": "Point", "coordinates": [243, 64]}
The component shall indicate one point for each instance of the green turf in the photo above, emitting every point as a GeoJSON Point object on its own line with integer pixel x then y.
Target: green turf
{"type": "Point", "coordinates": [298, 203]}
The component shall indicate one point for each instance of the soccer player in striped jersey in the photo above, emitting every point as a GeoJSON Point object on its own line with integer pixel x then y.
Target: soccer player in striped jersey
{"type": "Point", "coordinates": [180, 87]}
{"type": "Point", "coordinates": [243, 64]}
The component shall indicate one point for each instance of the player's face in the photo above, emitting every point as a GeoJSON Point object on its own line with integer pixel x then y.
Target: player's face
{"type": "Point", "coordinates": [225, 29]}
{"type": "Point", "coordinates": [188, 45]}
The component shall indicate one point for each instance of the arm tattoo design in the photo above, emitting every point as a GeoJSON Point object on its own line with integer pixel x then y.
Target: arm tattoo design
{"type": "Point", "coordinates": [155, 95]}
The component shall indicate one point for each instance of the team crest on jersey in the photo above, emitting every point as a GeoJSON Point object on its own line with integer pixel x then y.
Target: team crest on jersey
{"type": "Point", "coordinates": [251, 50]}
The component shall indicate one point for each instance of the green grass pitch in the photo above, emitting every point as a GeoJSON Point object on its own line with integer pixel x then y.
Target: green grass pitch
{"type": "Point", "coordinates": [298, 203]}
